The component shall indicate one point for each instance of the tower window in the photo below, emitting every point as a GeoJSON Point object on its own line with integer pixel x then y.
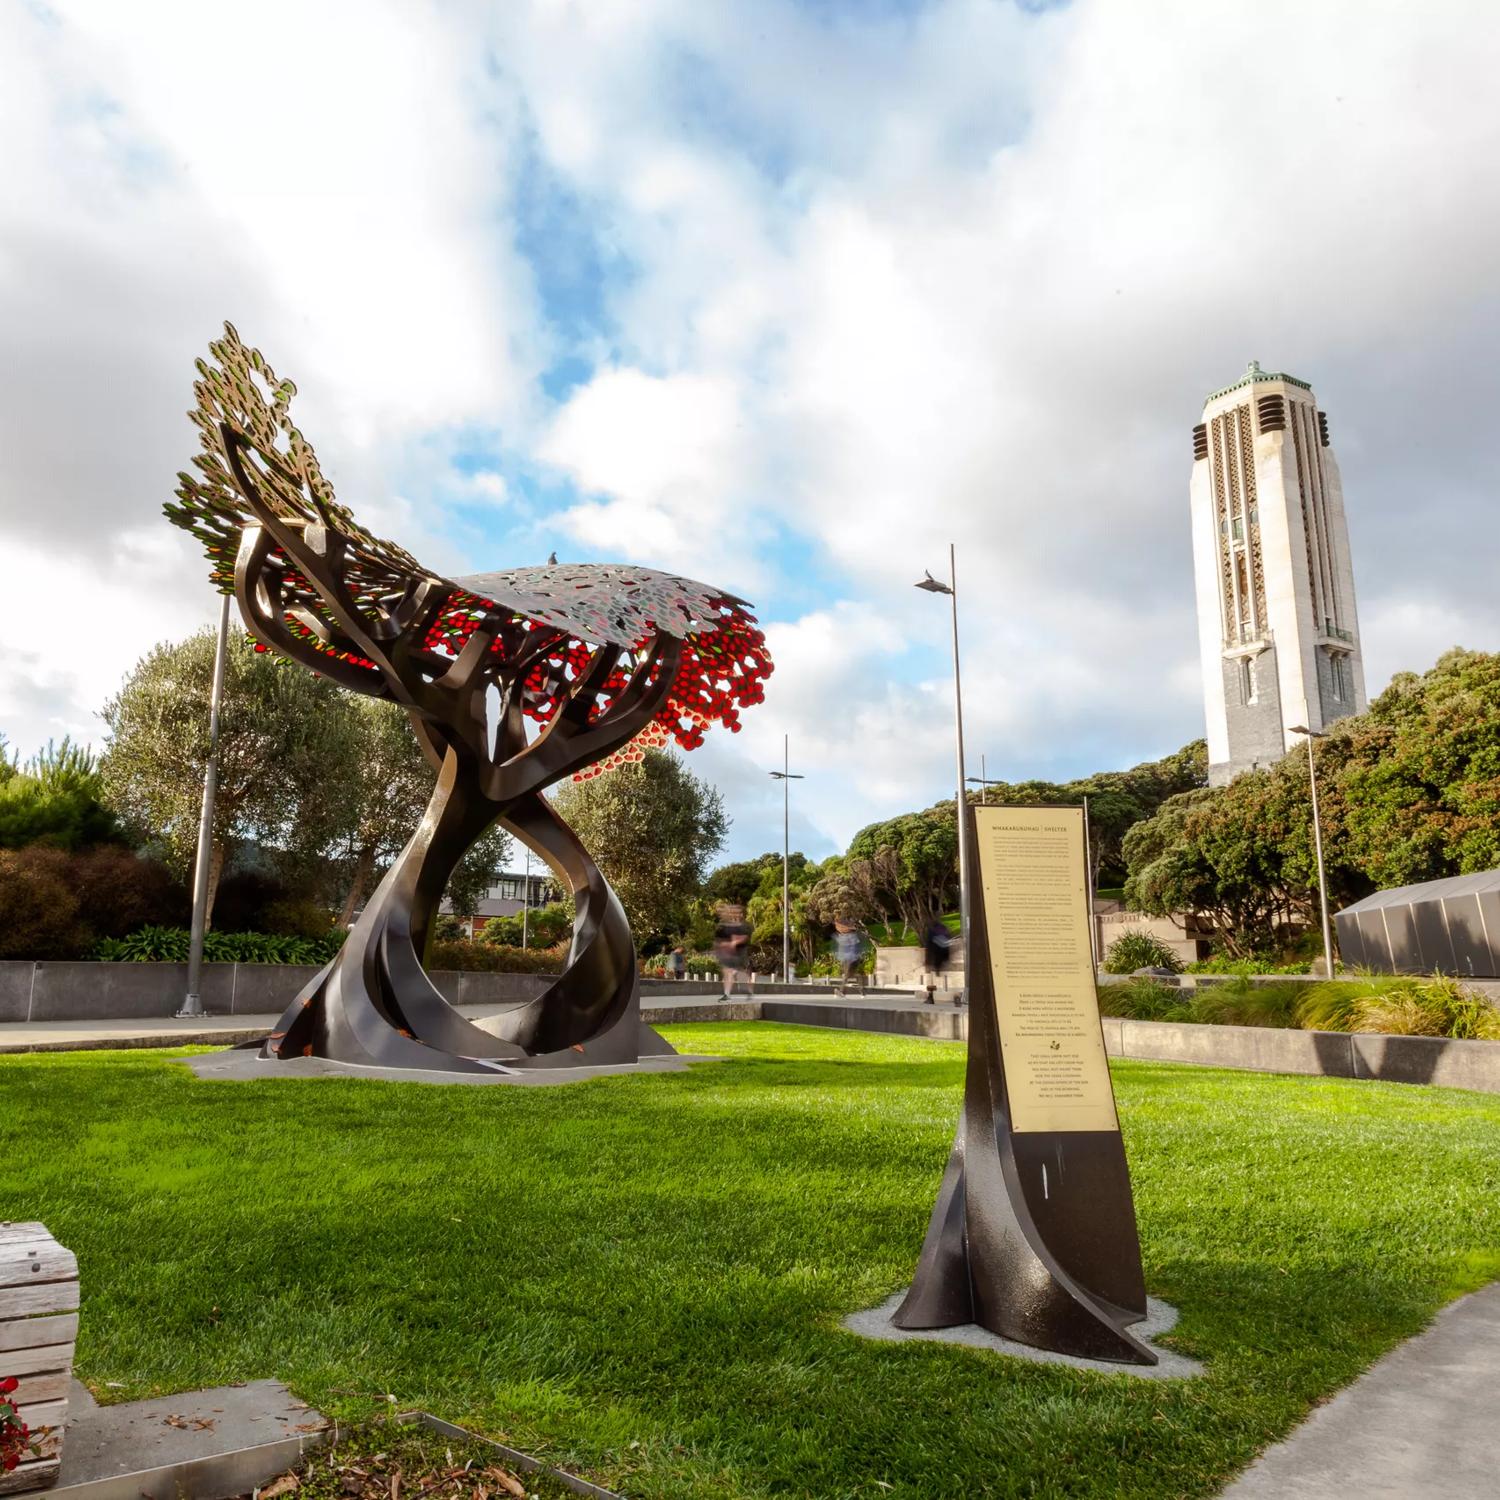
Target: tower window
{"type": "Point", "coordinates": [1247, 679]}
{"type": "Point", "coordinates": [1200, 441]}
{"type": "Point", "coordinates": [1323, 428]}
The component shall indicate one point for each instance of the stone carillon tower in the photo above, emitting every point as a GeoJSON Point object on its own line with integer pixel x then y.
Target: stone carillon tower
{"type": "Point", "coordinates": [1277, 628]}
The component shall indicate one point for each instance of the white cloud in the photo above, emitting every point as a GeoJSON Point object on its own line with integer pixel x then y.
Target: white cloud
{"type": "Point", "coordinates": [873, 282]}
{"type": "Point", "coordinates": [488, 486]}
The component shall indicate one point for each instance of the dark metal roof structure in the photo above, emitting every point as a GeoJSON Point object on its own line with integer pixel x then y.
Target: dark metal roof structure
{"type": "Point", "coordinates": [1448, 926]}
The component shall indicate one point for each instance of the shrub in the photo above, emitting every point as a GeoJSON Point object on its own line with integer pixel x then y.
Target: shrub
{"type": "Point", "coordinates": [1144, 999]}
{"type": "Point", "coordinates": [1240, 1002]}
{"type": "Point", "coordinates": [546, 927]}
{"type": "Point", "coordinates": [38, 908]}
{"type": "Point", "coordinates": [1222, 963]}
{"type": "Point", "coordinates": [1134, 949]}
{"type": "Point", "coordinates": [494, 958]}
{"type": "Point", "coordinates": [1401, 1005]}
{"type": "Point", "coordinates": [448, 929]}
{"type": "Point", "coordinates": [244, 898]}
{"type": "Point", "coordinates": [298, 917]}
{"type": "Point", "coordinates": [119, 891]}
{"type": "Point", "coordinates": [155, 945]}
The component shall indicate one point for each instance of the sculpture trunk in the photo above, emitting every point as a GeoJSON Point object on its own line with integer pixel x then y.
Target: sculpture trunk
{"type": "Point", "coordinates": [375, 1004]}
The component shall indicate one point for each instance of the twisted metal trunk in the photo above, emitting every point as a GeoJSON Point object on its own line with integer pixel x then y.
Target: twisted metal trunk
{"type": "Point", "coordinates": [375, 1005]}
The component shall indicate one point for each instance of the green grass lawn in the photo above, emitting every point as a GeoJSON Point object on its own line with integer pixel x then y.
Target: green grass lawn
{"type": "Point", "coordinates": [644, 1277]}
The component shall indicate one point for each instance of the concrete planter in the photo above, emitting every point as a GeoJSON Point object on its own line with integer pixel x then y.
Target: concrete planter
{"type": "Point", "coordinates": [1325, 1054]}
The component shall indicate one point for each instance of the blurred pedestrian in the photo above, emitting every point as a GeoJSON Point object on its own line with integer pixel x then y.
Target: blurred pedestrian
{"type": "Point", "coordinates": [677, 964]}
{"type": "Point", "coordinates": [732, 949]}
{"type": "Point", "coordinates": [849, 949]}
{"type": "Point", "coordinates": [937, 951]}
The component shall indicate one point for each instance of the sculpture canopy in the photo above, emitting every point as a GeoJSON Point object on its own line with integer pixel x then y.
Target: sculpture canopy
{"type": "Point", "coordinates": [248, 437]}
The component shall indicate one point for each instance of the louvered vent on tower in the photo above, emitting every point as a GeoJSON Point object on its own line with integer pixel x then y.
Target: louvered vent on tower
{"type": "Point", "coordinates": [1323, 428]}
{"type": "Point", "coordinates": [1200, 441]}
{"type": "Point", "coordinates": [1270, 413]}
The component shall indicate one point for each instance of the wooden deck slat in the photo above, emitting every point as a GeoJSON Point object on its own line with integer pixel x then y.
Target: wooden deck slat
{"type": "Point", "coordinates": [27, 1333]}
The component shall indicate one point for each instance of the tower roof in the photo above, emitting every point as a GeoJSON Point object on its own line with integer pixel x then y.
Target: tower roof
{"type": "Point", "coordinates": [1253, 372]}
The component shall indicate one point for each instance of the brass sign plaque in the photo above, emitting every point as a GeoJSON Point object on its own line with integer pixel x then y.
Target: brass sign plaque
{"type": "Point", "coordinates": [1034, 879]}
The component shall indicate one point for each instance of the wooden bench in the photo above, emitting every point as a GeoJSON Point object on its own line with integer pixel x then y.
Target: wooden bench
{"type": "Point", "coordinates": [38, 1327]}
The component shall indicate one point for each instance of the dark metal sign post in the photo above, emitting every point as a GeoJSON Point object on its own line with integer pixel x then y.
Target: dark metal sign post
{"type": "Point", "coordinates": [1033, 1235]}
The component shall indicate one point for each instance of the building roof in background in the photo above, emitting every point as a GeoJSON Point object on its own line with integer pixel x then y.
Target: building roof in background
{"type": "Point", "coordinates": [1428, 890]}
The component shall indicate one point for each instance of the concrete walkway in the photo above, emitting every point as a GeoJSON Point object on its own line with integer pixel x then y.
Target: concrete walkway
{"type": "Point", "coordinates": [1421, 1423]}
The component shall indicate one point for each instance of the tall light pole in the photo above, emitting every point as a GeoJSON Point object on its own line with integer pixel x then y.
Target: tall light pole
{"type": "Point", "coordinates": [526, 907]}
{"type": "Point", "coordinates": [950, 588]}
{"type": "Point", "coordinates": [1312, 776]}
{"type": "Point", "coordinates": [785, 777]}
{"type": "Point", "coordinates": [192, 1005]}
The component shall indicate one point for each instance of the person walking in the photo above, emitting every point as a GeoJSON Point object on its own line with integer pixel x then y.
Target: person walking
{"type": "Point", "coordinates": [732, 949]}
{"type": "Point", "coordinates": [676, 964]}
{"type": "Point", "coordinates": [849, 948]}
{"type": "Point", "coordinates": [937, 950]}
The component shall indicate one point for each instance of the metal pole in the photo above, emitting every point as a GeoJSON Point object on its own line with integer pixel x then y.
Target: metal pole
{"type": "Point", "coordinates": [1312, 777]}
{"type": "Point", "coordinates": [1088, 882]}
{"type": "Point", "coordinates": [984, 781]}
{"type": "Point", "coordinates": [192, 1005]}
{"type": "Point", "coordinates": [526, 898]}
{"type": "Point", "coordinates": [958, 721]}
{"type": "Point", "coordinates": [786, 859]}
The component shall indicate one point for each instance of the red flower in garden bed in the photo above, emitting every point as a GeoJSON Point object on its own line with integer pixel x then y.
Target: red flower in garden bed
{"type": "Point", "coordinates": [15, 1436]}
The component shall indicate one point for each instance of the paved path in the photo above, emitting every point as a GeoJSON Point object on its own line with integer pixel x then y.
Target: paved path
{"type": "Point", "coordinates": [225, 1031]}
{"type": "Point", "coordinates": [1422, 1423]}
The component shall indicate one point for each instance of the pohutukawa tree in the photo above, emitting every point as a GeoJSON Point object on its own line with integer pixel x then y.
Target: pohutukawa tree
{"type": "Point", "coordinates": [512, 680]}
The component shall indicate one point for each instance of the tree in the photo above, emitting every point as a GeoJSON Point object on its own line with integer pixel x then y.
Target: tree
{"type": "Point", "coordinates": [54, 800]}
{"type": "Point", "coordinates": [1408, 791]}
{"type": "Point", "coordinates": [913, 862]}
{"type": "Point", "coordinates": [478, 870]}
{"type": "Point", "coordinates": [1117, 800]}
{"type": "Point", "coordinates": [734, 884]}
{"type": "Point", "coordinates": [391, 782]}
{"type": "Point", "coordinates": [652, 826]}
{"type": "Point", "coordinates": [763, 910]}
{"type": "Point", "coordinates": [288, 748]}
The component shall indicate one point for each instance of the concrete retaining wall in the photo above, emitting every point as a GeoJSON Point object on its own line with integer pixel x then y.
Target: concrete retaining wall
{"type": "Point", "coordinates": [82, 991]}
{"type": "Point", "coordinates": [1259, 1049]}
{"type": "Point", "coordinates": [85, 991]}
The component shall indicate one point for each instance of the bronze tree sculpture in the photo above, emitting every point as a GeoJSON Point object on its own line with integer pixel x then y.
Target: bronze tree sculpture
{"type": "Point", "coordinates": [513, 680]}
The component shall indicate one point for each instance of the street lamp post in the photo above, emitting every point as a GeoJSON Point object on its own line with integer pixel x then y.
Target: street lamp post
{"type": "Point", "coordinates": [785, 777]}
{"type": "Point", "coordinates": [192, 1004]}
{"type": "Point", "coordinates": [983, 782]}
{"type": "Point", "coordinates": [526, 898]}
{"type": "Point", "coordinates": [1312, 776]}
{"type": "Point", "coordinates": [932, 586]}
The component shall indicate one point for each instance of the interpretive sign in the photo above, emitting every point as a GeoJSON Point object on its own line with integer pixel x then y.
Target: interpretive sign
{"type": "Point", "coordinates": [1033, 1234]}
{"type": "Point", "coordinates": [1033, 874]}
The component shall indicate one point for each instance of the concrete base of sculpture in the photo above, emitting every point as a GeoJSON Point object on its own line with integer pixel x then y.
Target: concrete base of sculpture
{"type": "Point", "coordinates": [878, 1323]}
{"type": "Point", "coordinates": [241, 1065]}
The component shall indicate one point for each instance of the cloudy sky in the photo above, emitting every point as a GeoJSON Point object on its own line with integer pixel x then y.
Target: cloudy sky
{"type": "Point", "coordinates": [784, 296]}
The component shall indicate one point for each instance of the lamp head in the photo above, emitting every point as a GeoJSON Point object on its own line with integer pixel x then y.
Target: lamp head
{"type": "Point", "coordinates": [931, 584]}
